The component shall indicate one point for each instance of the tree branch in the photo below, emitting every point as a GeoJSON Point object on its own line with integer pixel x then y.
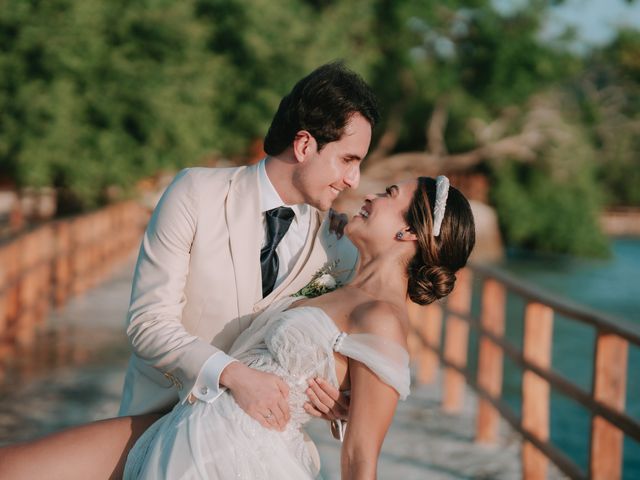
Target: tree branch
{"type": "Point", "coordinates": [436, 144]}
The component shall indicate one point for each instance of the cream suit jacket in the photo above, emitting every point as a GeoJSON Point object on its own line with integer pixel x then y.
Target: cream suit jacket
{"type": "Point", "coordinates": [197, 282]}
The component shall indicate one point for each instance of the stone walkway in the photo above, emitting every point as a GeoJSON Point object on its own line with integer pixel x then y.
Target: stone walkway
{"type": "Point", "coordinates": [80, 368]}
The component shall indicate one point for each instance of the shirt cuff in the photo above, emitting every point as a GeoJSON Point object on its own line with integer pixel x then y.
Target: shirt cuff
{"type": "Point", "coordinates": [207, 387]}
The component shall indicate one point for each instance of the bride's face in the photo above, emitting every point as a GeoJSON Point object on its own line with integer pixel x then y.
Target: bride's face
{"type": "Point", "coordinates": [382, 215]}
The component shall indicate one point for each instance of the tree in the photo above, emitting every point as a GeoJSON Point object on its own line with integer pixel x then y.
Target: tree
{"type": "Point", "coordinates": [481, 91]}
{"type": "Point", "coordinates": [609, 96]}
{"type": "Point", "coordinates": [98, 95]}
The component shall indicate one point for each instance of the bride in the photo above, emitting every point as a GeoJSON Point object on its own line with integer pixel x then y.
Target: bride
{"type": "Point", "coordinates": [411, 240]}
{"type": "Point", "coordinates": [354, 336]}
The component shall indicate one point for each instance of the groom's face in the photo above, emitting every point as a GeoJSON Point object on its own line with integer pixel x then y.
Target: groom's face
{"type": "Point", "coordinates": [324, 174]}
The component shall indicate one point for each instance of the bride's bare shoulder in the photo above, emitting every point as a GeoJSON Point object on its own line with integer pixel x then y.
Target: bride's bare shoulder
{"type": "Point", "coordinates": [380, 318]}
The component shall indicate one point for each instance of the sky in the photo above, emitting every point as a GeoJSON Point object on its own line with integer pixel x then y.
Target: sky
{"type": "Point", "coordinates": [595, 21]}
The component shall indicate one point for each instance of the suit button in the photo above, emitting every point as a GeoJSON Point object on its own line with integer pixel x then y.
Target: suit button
{"type": "Point", "coordinates": [204, 390]}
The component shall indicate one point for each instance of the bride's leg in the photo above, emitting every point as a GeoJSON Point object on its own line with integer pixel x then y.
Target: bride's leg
{"type": "Point", "coordinates": [97, 450]}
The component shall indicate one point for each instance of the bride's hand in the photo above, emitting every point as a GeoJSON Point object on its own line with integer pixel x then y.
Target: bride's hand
{"type": "Point", "coordinates": [326, 401]}
{"type": "Point", "coordinates": [263, 396]}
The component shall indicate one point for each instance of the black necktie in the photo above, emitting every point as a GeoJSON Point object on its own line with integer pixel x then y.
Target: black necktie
{"type": "Point", "coordinates": [278, 222]}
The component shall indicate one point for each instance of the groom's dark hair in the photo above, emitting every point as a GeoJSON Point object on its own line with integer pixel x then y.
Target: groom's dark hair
{"type": "Point", "coordinates": [322, 104]}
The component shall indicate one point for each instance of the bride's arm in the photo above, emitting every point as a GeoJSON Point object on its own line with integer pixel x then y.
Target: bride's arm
{"type": "Point", "coordinates": [373, 402]}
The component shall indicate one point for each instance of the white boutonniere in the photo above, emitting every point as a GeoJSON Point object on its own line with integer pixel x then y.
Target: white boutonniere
{"type": "Point", "coordinates": [323, 281]}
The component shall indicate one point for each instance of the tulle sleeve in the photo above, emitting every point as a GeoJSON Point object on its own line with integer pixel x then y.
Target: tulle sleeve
{"type": "Point", "coordinates": [386, 358]}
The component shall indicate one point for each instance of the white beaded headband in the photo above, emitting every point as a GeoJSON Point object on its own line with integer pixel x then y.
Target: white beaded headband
{"type": "Point", "coordinates": [442, 192]}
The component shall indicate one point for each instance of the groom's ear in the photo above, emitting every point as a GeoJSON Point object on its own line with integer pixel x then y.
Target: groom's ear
{"type": "Point", "coordinates": [304, 145]}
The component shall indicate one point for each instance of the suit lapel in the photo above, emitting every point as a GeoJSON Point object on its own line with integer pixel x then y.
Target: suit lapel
{"type": "Point", "coordinates": [244, 221]}
{"type": "Point", "coordinates": [317, 258]}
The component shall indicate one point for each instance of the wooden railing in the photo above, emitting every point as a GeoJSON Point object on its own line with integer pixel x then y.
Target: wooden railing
{"type": "Point", "coordinates": [605, 401]}
{"type": "Point", "coordinates": [43, 267]}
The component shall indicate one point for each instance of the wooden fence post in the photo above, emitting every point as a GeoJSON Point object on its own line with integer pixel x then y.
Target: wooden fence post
{"type": "Point", "coordinates": [79, 256]}
{"type": "Point", "coordinates": [426, 322]}
{"type": "Point", "coordinates": [11, 266]}
{"type": "Point", "coordinates": [609, 387]}
{"type": "Point", "coordinates": [28, 289]}
{"type": "Point", "coordinates": [413, 340]}
{"type": "Point", "coordinates": [44, 259]}
{"type": "Point", "coordinates": [5, 285]}
{"type": "Point", "coordinates": [490, 359]}
{"type": "Point", "coordinates": [430, 329]}
{"type": "Point", "coordinates": [456, 341]}
{"type": "Point", "coordinates": [538, 332]}
{"type": "Point", "coordinates": [62, 263]}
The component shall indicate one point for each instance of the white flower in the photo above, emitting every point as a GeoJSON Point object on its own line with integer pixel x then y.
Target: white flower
{"type": "Point", "coordinates": [322, 282]}
{"type": "Point", "coordinates": [326, 281]}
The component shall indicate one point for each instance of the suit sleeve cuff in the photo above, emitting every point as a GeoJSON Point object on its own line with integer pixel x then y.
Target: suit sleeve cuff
{"type": "Point", "coordinates": [207, 386]}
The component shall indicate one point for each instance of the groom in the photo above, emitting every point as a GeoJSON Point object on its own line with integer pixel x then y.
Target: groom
{"type": "Point", "coordinates": [224, 243]}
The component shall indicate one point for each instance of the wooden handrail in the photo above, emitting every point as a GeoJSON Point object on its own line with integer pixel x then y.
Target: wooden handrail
{"type": "Point", "coordinates": [560, 459]}
{"type": "Point", "coordinates": [605, 402]}
{"type": "Point", "coordinates": [625, 423]}
{"type": "Point", "coordinates": [42, 267]}
{"type": "Point", "coordinates": [562, 306]}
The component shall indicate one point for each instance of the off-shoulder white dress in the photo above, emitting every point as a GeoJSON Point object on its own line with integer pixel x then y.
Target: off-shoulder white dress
{"type": "Point", "coordinates": [219, 440]}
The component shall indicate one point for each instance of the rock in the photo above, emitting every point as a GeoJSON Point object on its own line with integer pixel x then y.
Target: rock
{"type": "Point", "coordinates": [489, 246]}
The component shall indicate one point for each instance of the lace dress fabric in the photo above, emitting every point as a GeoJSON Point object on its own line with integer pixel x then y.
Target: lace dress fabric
{"type": "Point", "coordinates": [219, 440]}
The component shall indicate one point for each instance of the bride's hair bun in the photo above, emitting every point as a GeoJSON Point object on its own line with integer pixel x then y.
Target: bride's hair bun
{"type": "Point", "coordinates": [430, 283]}
{"type": "Point", "coordinates": [432, 270]}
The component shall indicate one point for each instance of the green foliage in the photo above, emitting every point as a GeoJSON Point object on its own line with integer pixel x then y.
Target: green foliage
{"type": "Point", "coordinates": [96, 95]}
{"type": "Point", "coordinates": [554, 203]}
{"type": "Point", "coordinates": [481, 64]}
{"type": "Point", "coordinates": [259, 50]}
{"type": "Point", "coordinates": [541, 213]}
{"type": "Point", "coordinates": [464, 54]}
{"type": "Point", "coordinates": [609, 95]}
{"type": "Point", "coordinates": [100, 94]}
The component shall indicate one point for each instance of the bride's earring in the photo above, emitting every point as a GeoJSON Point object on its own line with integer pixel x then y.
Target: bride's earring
{"type": "Point", "coordinates": [399, 235]}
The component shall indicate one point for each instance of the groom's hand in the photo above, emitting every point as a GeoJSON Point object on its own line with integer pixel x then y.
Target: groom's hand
{"type": "Point", "coordinates": [263, 396]}
{"type": "Point", "coordinates": [337, 222]}
{"type": "Point", "coordinates": [326, 401]}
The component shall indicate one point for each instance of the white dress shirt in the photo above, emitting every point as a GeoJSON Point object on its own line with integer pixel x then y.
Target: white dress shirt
{"type": "Point", "coordinates": [207, 387]}
{"type": "Point", "coordinates": [291, 245]}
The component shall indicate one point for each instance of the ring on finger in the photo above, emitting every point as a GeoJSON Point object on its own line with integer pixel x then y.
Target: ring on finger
{"type": "Point", "coordinates": [268, 415]}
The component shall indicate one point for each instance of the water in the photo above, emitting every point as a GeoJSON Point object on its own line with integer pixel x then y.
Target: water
{"type": "Point", "coordinates": [610, 286]}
